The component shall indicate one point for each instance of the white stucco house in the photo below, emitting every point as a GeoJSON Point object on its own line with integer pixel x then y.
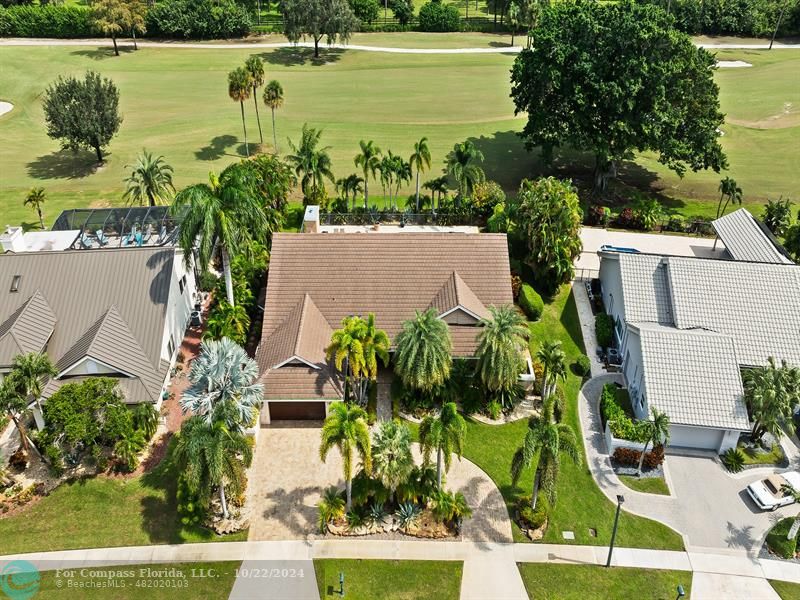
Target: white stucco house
{"type": "Point", "coordinates": [686, 328]}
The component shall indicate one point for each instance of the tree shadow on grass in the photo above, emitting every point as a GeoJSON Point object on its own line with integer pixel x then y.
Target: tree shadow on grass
{"type": "Point", "coordinates": [103, 52]}
{"type": "Point", "coordinates": [297, 56]}
{"type": "Point", "coordinates": [63, 164]}
{"type": "Point", "coordinates": [572, 324]}
{"type": "Point", "coordinates": [216, 148]}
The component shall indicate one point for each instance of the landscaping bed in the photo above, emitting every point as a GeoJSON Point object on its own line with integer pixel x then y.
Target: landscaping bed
{"type": "Point", "coordinates": [777, 544]}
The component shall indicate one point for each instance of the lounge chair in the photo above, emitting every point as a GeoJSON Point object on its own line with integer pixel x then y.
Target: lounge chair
{"type": "Point", "coordinates": [138, 237]}
{"type": "Point", "coordinates": [101, 237]}
{"type": "Point", "coordinates": [126, 240]}
{"type": "Point", "coordinates": [147, 235]}
{"type": "Point", "coordinates": [162, 236]}
{"type": "Point", "coordinates": [86, 243]}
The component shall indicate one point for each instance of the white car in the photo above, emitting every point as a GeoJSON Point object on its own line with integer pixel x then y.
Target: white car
{"type": "Point", "coordinates": [768, 493]}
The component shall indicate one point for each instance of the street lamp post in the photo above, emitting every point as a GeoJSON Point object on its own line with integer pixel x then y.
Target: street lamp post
{"type": "Point", "coordinates": [620, 500]}
{"type": "Point", "coordinates": [341, 584]}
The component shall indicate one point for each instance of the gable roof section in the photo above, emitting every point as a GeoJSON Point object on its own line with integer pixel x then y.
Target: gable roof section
{"type": "Point", "coordinates": [645, 289]}
{"type": "Point", "coordinates": [747, 239]}
{"type": "Point", "coordinates": [456, 294]}
{"type": "Point", "coordinates": [111, 341]}
{"type": "Point", "coordinates": [303, 336]}
{"type": "Point", "coordinates": [27, 329]}
{"type": "Point", "coordinates": [757, 304]}
{"type": "Point", "coordinates": [693, 376]}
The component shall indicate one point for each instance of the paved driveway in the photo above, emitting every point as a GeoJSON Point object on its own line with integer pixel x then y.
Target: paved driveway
{"type": "Point", "coordinates": [288, 478]}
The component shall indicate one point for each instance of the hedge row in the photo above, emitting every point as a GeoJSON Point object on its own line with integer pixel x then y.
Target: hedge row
{"type": "Point", "coordinates": [622, 426]}
{"type": "Point", "coordinates": [531, 302]}
{"type": "Point", "coordinates": [49, 20]}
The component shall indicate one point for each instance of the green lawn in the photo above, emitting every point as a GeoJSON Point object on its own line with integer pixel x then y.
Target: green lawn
{"type": "Point", "coordinates": [101, 511]}
{"type": "Point", "coordinates": [786, 590]}
{"type": "Point", "coordinates": [174, 102]}
{"type": "Point", "coordinates": [648, 485]}
{"type": "Point", "coordinates": [186, 581]}
{"type": "Point", "coordinates": [774, 456]}
{"type": "Point", "coordinates": [389, 579]}
{"type": "Point", "coordinates": [578, 582]}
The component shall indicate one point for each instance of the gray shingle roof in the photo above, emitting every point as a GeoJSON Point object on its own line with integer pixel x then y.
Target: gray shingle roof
{"type": "Point", "coordinates": [27, 330]}
{"type": "Point", "coordinates": [746, 239]}
{"type": "Point", "coordinates": [693, 376]}
{"type": "Point", "coordinates": [757, 304]}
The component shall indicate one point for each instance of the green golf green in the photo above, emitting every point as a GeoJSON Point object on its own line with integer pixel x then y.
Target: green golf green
{"type": "Point", "coordinates": [174, 102]}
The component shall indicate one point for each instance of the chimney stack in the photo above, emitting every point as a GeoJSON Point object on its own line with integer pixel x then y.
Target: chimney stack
{"type": "Point", "coordinates": [12, 240]}
{"type": "Point", "coordinates": [311, 219]}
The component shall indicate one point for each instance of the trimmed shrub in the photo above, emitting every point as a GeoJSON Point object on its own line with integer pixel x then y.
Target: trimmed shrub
{"type": "Point", "coordinates": [599, 215]}
{"type": "Point", "coordinates": [604, 329]}
{"type": "Point", "coordinates": [435, 16]}
{"type": "Point", "coordinates": [48, 20]}
{"type": "Point", "coordinates": [777, 542]}
{"type": "Point", "coordinates": [619, 420]}
{"type": "Point", "coordinates": [55, 460]}
{"type": "Point", "coordinates": [530, 518]}
{"type": "Point", "coordinates": [531, 302]}
{"type": "Point", "coordinates": [630, 457]}
{"type": "Point", "coordinates": [205, 19]}
{"type": "Point", "coordinates": [366, 10]}
{"type": "Point", "coordinates": [626, 219]}
{"type": "Point", "coordinates": [582, 366]}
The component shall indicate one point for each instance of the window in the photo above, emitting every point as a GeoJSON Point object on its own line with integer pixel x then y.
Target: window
{"type": "Point", "coordinates": [170, 347]}
{"type": "Point", "coordinates": [15, 283]}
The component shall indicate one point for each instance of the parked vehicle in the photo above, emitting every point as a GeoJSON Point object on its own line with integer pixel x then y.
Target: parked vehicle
{"type": "Point", "coordinates": [768, 494]}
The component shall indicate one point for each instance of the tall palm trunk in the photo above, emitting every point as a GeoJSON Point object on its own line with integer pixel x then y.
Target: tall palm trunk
{"type": "Point", "coordinates": [23, 434]}
{"type": "Point", "coordinates": [258, 118]}
{"type": "Point", "coordinates": [226, 269]}
{"type": "Point", "coordinates": [41, 220]}
{"type": "Point", "coordinates": [274, 135]}
{"type": "Point", "coordinates": [349, 487]}
{"type": "Point", "coordinates": [223, 501]}
{"type": "Point", "coordinates": [366, 191]}
{"type": "Point", "coordinates": [439, 468]}
{"type": "Point", "coordinates": [114, 40]}
{"type": "Point", "coordinates": [417, 190]}
{"type": "Point", "coordinates": [537, 480]}
{"type": "Point", "coordinates": [641, 458]}
{"type": "Point", "coordinates": [244, 128]}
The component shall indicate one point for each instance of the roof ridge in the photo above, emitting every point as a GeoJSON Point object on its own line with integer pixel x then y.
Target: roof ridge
{"type": "Point", "coordinates": [303, 310]}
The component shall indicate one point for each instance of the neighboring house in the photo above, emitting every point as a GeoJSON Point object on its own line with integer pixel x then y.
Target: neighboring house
{"type": "Point", "coordinates": [687, 326]}
{"type": "Point", "coordinates": [747, 238]}
{"type": "Point", "coordinates": [119, 312]}
{"type": "Point", "coordinates": [317, 279]}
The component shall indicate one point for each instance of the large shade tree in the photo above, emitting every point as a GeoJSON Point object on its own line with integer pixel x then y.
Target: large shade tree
{"type": "Point", "coordinates": [772, 392]}
{"type": "Point", "coordinates": [614, 79]}
{"type": "Point", "coordinates": [423, 351]}
{"type": "Point", "coordinates": [392, 461]}
{"type": "Point", "coordinates": [330, 19]}
{"type": "Point", "coordinates": [443, 434]}
{"type": "Point", "coordinates": [224, 211]}
{"type": "Point", "coordinates": [548, 442]}
{"type": "Point", "coordinates": [223, 373]}
{"type": "Point", "coordinates": [346, 428]}
{"type": "Point", "coordinates": [355, 349]}
{"type": "Point", "coordinates": [150, 179]}
{"type": "Point", "coordinates": [548, 222]}
{"type": "Point", "coordinates": [502, 342]}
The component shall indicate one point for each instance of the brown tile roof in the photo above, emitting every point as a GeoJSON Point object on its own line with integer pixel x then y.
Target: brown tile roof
{"type": "Point", "coordinates": [300, 383]}
{"type": "Point", "coordinates": [333, 275]}
{"type": "Point", "coordinates": [457, 294]}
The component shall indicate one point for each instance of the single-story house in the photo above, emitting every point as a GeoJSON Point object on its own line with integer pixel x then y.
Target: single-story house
{"type": "Point", "coordinates": [686, 327]}
{"type": "Point", "coordinates": [317, 279]}
{"type": "Point", "coordinates": [114, 311]}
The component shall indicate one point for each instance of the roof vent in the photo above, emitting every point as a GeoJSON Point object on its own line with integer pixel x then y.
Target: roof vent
{"type": "Point", "coordinates": [15, 283]}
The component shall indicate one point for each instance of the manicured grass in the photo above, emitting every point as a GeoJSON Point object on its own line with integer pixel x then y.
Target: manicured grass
{"type": "Point", "coordinates": [774, 456]}
{"type": "Point", "coordinates": [580, 504]}
{"type": "Point", "coordinates": [174, 102]}
{"type": "Point", "coordinates": [389, 579]}
{"type": "Point", "coordinates": [777, 540]}
{"type": "Point", "coordinates": [578, 582]}
{"type": "Point", "coordinates": [648, 485]}
{"type": "Point", "coordinates": [786, 590]}
{"type": "Point", "coordinates": [154, 581]}
{"type": "Point", "coordinates": [101, 511]}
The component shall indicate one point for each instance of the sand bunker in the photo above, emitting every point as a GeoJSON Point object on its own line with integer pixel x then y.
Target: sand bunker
{"type": "Point", "coordinates": [732, 64]}
{"type": "Point", "coordinates": [5, 107]}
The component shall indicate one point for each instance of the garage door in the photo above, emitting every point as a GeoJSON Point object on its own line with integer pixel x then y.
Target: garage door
{"type": "Point", "coordinates": [695, 437]}
{"type": "Point", "coordinates": [297, 411]}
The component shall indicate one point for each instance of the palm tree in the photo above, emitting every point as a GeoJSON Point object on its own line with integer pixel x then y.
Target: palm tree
{"type": "Point", "coordinates": [514, 17]}
{"type": "Point", "coordinates": [222, 211]}
{"type": "Point", "coordinates": [151, 178]}
{"type": "Point", "coordinates": [402, 175]}
{"type": "Point", "coordinates": [35, 199]}
{"type": "Point", "coordinates": [369, 161]}
{"type": "Point", "coordinates": [420, 160]}
{"type": "Point", "coordinates": [549, 441]}
{"type": "Point", "coordinates": [730, 190]}
{"type": "Point", "coordinates": [553, 360]}
{"type": "Point", "coordinates": [501, 345]}
{"type": "Point", "coordinates": [310, 163]}
{"type": "Point", "coordinates": [439, 187]}
{"type": "Point", "coordinates": [239, 85]}
{"type": "Point", "coordinates": [223, 374]}
{"type": "Point", "coordinates": [346, 428]}
{"type": "Point", "coordinates": [212, 457]}
{"type": "Point", "coordinates": [128, 447]}
{"type": "Point", "coordinates": [14, 404]}
{"type": "Point", "coordinates": [444, 434]}
{"type": "Point", "coordinates": [31, 371]}
{"type": "Point", "coordinates": [423, 351]}
{"type": "Point", "coordinates": [771, 393]}
{"type": "Point", "coordinates": [273, 97]}
{"type": "Point", "coordinates": [657, 433]}
{"type": "Point", "coordinates": [391, 455]}
{"type": "Point", "coordinates": [462, 165]}
{"type": "Point", "coordinates": [255, 68]}
{"type": "Point", "coordinates": [351, 183]}
{"type": "Point", "coordinates": [226, 321]}
{"type": "Point", "coordinates": [361, 344]}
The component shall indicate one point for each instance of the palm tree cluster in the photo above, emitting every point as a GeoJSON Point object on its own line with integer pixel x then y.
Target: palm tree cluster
{"type": "Point", "coordinates": [772, 392]}
{"type": "Point", "coordinates": [212, 452]}
{"type": "Point", "coordinates": [312, 164]}
{"type": "Point", "coordinates": [244, 82]}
